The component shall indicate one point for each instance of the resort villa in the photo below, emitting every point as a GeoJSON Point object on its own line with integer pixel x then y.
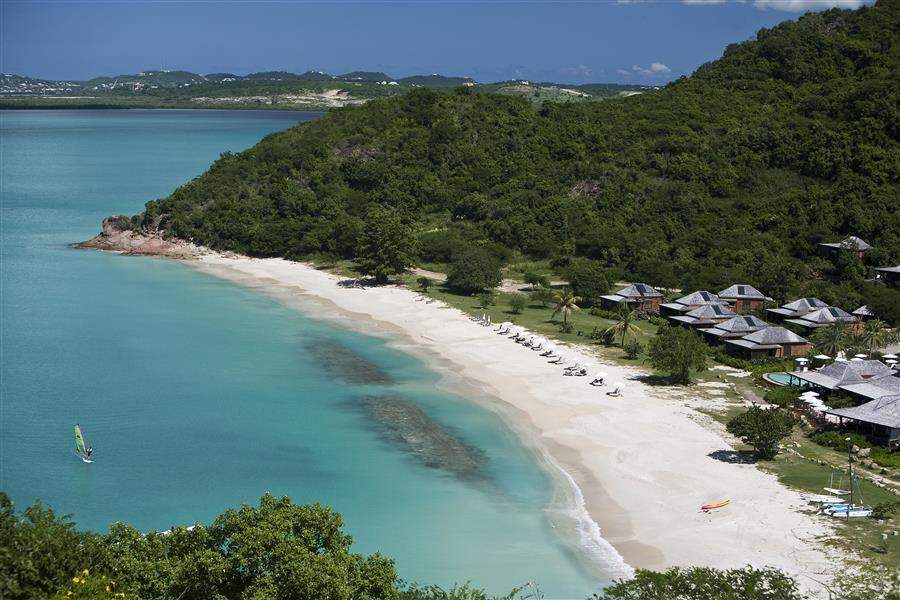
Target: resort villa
{"type": "Point", "coordinates": [825, 317]}
{"type": "Point", "coordinates": [770, 341]}
{"type": "Point", "coordinates": [708, 315]}
{"type": "Point", "coordinates": [795, 309]}
{"type": "Point", "coordinates": [638, 296]}
{"type": "Point", "coordinates": [871, 382]}
{"type": "Point", "coordinates": [889, 275]}
{"type": "Point", "coordinates": [850, 243]}
{"type": "Point", "coordinates": [744, 298]}
{"type": "Point", "coordinates": [689, 303]}
{"type": "Point", "coordinates": [733, 328]}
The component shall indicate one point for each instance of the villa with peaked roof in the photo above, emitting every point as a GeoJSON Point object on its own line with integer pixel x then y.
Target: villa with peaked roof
{"type": "Point", "coordinates": [879, 418]}
{"type": "Point", "coordinates": [770, 341]}
{"type": "Point", "coordinates": [850, 243]}
{"type": "Point", "coordinates": [864, 313]}
{"type": "Point", "coordinates": [825, 317]}
{"type": "Point", "coordinates": [865, 379]}
{"type": "Point", "coordinates": [688, 303]}
{"type": "Point", "coordinates": [744, 298]}
{"type": "Point", "coordinates": [889, 275]}
{"type": "Point", "coordinates": [708, 315]}
{"type": "Point", "coordinates": [735, 327]}
{"type": "Point", "coordinates": [639, 296]}
{"type": "Point", "coordinates": [795, 309]}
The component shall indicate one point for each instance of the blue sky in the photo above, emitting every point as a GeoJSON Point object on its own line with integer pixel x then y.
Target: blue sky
{"type": "Point", "coordinates": [575, 42]}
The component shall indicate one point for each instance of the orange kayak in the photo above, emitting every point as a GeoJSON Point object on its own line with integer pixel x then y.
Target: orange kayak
{"type": "Point", "coordinates": [712, 505]}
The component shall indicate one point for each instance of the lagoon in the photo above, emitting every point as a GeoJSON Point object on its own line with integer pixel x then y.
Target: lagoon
{"type": "Point", "coordinates": [198, 394]}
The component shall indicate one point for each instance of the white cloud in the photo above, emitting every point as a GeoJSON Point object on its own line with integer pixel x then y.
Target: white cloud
{"type": "Point", "coordinates": [807, 5]}
{"type": "Point", "coordinates": [656, 69]}
{"type": "Point", "coordinates": [623, 72]}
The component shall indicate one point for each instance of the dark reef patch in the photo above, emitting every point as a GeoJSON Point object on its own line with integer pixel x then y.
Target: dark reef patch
{"type": "Point", "coordinates": [404, 423]}
{"type": "Point", "coordinates": [347, 364]}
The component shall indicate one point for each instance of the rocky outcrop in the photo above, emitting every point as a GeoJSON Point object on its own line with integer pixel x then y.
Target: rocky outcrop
{"type": "Point", "coordinates": [118, 236]}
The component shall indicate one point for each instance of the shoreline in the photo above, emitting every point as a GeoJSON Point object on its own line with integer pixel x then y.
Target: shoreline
{"type": "Point", "coordinates": [639, 464]}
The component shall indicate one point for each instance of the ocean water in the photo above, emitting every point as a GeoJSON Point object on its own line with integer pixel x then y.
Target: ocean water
{"type": "Point", "coordinates": [198, 394]}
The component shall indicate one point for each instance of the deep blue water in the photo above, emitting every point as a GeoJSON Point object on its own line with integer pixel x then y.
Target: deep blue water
{"type": "Point", "coordinates": [198, 394]}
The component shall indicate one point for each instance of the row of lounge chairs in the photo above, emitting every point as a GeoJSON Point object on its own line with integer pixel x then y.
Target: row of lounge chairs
{"type": "Point", "coordinates": [549, 351]}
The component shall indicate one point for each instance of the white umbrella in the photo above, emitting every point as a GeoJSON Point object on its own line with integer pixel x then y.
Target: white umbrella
{"type": "Point", "coordinates": [891, 361]}
{"type": "Point", "coordinates": [809, 394]}
{"type": "Point", "coordinates": [890, 356]}
{"type": "Point", "coordinates": [855, 359]}
{"type": "Point", "coordinates": [822, 357]}
{"type": "Point", "coordinates": [860, 355]}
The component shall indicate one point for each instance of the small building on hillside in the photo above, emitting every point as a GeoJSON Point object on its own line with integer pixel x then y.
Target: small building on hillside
{"type": "Point", "coordinates": [639, 296]}
{"type": "Point", "coordinates": [878, 419]}
{"type": "Point", "coordinates": [863, 313]}
{"type": "Point", "coordinates": [771, 341]}
{"type": "Point", "coordinates": [708, 315]}
{"type": "Point", "coordinates": [889, 275]}
{"type": "Point", "coordinates": [733, 328]}
{"type": "Point", "coordinates": [825, 317]}
{"type": "Point", "coordinates": [688, 303]}
{"type": "Point", "coordinates": [744, 298]}
{"type": "Point", "coordinates": [795, 309]}
{"type": "Point", "coordinates": [851, 243]}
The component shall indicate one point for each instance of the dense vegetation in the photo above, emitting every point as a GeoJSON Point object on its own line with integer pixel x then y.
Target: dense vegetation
{"type": "Point", "coordinates": [733, 174]}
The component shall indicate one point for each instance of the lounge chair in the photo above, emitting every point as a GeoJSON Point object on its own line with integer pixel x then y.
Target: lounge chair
{"type": "Point", "coordinates": [573, 367]}
{"type": "Point", "coordinates": [617, 389]}
{"type": "Point", "coordinates": [557, 360]}
{"type": "Point", "coordinates": [599, 379]}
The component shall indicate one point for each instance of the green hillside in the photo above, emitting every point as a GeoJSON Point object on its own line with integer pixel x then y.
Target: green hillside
{"type": "Point", "coordinates": [733, 174]}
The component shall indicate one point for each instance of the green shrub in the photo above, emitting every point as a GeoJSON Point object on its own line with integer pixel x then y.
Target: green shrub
{"type": "Point", "coordinates": [782, 396]}
{"type": "Point", "coordinates": [762, 429]}
{"type": "Point", "coordinates": [884, 457]}
{"type": "Point", "coordinates": [486, 299]}
{"type": "Point", "coordinates": [604, 335]}
{"type": "Point", "coordinates": [536, 279]}
{"type": "Point", "coordinates": [839, 401]}
{"type": "Point", "coordinates": [604, 314]}
{"type": "Point", "coordinates": [517, 303]}
{"type": "Point", "coordinates": [885, 510]}
{"type": "Point", "coordinates": [658, 321]}
{"type": "Point", "coordinates": [473, 270]}
{"type": "Point", "coordinates": [838, 440]}
{"type": "Point", "coordinates": [566, 327]}
{"type": "Point", "coordinates": [632, 348]}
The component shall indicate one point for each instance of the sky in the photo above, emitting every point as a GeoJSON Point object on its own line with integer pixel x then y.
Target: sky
{"type": "Point", "coordinates": [624, 41]}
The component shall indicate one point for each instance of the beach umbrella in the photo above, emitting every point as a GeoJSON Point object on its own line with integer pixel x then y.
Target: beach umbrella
{"type": "Point", "coordinates": [889, 356]}
{"type": "Point", "coordinates": [860, 355]}
{"type": "Point", "coordinates": [856, 359]}
{"type": "Point", "coordinates": [822, 357]}
{"type": "Point", "coordinates": [891, 361]}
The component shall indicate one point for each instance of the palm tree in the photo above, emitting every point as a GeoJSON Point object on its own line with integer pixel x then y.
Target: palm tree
{"type": "Point", "coordinates": [565, 302]}
{"type": "Point", "coordinates": [625, 324]}
{"type": "Point", "coordinates": [875, 335]}
{"type": "Point", "coordinates": [831, 339]}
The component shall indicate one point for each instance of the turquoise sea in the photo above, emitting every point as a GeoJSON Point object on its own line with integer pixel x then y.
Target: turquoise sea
{"type": "Point", "coordinates": [198, 394]}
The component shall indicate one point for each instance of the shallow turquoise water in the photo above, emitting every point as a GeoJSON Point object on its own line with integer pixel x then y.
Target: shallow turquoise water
{"type": "Point", "coordinates": [197, 394]}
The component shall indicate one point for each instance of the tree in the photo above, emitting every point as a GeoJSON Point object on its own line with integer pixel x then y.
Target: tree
{"type": "Point", "coordinates": [762, 429]}
{"type": "Point", "coordinates": [486, 298]}
{"type": "Point", "coordinates": [588, 278]}
{"type": "Point", "coordinates": [884, 302]}
{"type": "Point", "coordinates": [565, 302]}
{"type": "Point", "coordinates": [676, 351]}
{"type": "Point", "coordinates": [517, 303]}
{"type": "Point", "coordinates": [706, 583]}
{"type": "Point", "coordinates": [875, 335]}
{"type": "Point", "coordinates": [536, 279]}
{"type": "Point", "coordinates": [386, 246]}
{"type": "Point", "coordinates": [831, 339]}
{"type": "Point", "coordinates": [424, 283]}
{"type": "Point", "coordinates": [542, 294]}
{"type": "Point", "coordinates": [473, 270]}
{"type": "Point", "coordinates": [632, 348]}
{"type": "Point", "coordinates": [625, 324]}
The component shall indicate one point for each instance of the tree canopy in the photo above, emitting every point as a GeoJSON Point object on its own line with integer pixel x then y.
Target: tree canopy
{"type": "Point", "coordinates": [735, 173]}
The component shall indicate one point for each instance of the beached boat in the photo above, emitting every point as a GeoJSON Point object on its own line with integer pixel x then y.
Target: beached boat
{"type": "Point", "coordinates": [713, 505]}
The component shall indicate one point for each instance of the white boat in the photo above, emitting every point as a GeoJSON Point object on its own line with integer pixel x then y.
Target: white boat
{"type": "Point", "coordinates": [854, 511]}
{"type": "Point", "coordinates": [836, 491]}
{"type": "Point", "coordinates": [822, 498]}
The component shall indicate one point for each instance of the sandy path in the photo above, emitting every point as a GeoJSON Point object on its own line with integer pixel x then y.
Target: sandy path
{"type": "Point", "coordinates": [641, 461]}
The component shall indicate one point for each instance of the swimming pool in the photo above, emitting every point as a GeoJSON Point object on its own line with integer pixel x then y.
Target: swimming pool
{"type": "Point", "coordinates": [780, 378]}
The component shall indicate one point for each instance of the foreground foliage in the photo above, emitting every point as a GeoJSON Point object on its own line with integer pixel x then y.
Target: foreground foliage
{"type": "Point", "coordinates": [677, 351]}
{"type": "Point", "coordinates": [705, 583]}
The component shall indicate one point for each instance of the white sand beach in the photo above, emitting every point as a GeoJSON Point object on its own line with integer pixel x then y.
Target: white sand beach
{"type": "Point", "coordinates": [641, 461]}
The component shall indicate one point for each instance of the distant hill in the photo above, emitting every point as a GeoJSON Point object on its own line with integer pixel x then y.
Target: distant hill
{"type": "Point", "coordinates": [732, 175]}
{"type": "Point", "coordinates": [163, 79]}
{"type": "Point", "coordinates": [372, 76]}
{"type": "Point", "coordinates": [435, 81]}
